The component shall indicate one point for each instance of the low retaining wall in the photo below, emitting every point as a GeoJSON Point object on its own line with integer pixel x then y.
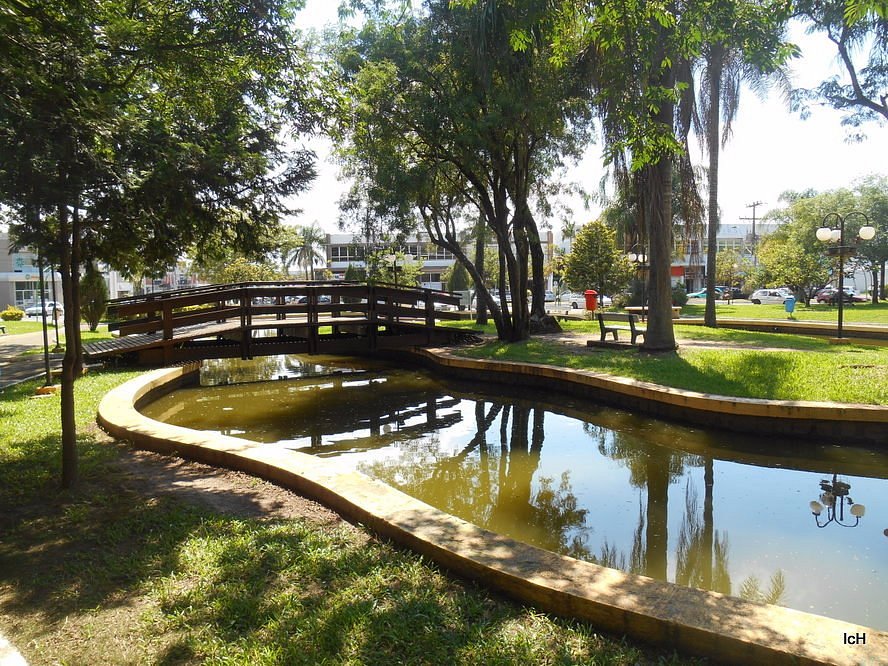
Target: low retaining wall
{"type": "Point", "coordinates": [707, 623]}
{"type": "Point", "coordinates": [845, 423]}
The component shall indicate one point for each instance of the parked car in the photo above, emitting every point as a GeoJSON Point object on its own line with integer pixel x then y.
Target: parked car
{"type": "Point", "coordinates": [578, 301]}
{"type": "Point", "coordinates": [702, 293]}
{"type": "Point", "coordinates": [37, 310]}
{"type": "Point", "coordinates": [729, 292]}
{"type": "Point", "coordinates": [831, 295]}
{"type": "Point", "coordinates": [302, 300]}
{"type": "Point", "coordinates": [550, 296]}
{"type": "Point", "coordinates": [760, 296]}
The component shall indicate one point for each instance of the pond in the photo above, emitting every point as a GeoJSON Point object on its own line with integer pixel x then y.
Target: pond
{"type": "Point", "coordinates": [707, 508]}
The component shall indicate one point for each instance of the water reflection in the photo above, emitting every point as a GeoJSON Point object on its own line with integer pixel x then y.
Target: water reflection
{"type": "Point", "coordinates": [702, 508]}
{"type": "Point", "coordinates": [834, 497]}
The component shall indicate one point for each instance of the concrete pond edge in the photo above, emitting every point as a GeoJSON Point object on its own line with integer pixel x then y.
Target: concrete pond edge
{"type": "Point", "coordinates": [845, 422]}
{"type": "Point", "coordinates": [699, 622]}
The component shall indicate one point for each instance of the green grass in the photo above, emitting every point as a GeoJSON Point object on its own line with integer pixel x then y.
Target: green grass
{"type": "Point", "coordinates": [110, 573]}
{"type": "Point", "coordinates": [25, 325]}
{"type": "Point", "coordinates": [859, 313]}
{"type": "Point", "coordinates": [808, 369]}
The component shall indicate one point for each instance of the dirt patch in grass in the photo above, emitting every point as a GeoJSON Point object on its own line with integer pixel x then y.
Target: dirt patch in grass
{"type": "Point", "coordinates": [217, 489]}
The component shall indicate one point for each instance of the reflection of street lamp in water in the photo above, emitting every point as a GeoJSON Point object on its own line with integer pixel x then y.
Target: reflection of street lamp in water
{"type": "Point", "coordinates": [833, 499]}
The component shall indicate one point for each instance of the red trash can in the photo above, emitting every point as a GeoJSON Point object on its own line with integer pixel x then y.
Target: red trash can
{"type": "Point", "coordinates": [591, 299]}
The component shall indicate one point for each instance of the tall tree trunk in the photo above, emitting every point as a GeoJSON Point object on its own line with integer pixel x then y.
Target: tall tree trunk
{"type": "Point", "coordinates": [715, 65]}
{"type": "Point", "coordinates": [660, 335]}
{"type": "Point", "coordinates": [657, 533]}
{"type": "Point", "coordinates": [708, 527]}
{"type": "Point", "coordinates": [480, 242]}
{"type": "Point", "coordinates": [69, 362]}
{"type": "Point", "coordinates": [75, 340]}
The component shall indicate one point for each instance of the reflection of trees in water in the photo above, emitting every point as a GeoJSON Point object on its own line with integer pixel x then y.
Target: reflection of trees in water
{"type": "Point", "coordinates": [702, 556]}
{"type": "Point", "coordinates": [751, 589]}
{"type": "Point", "coordinates": [491, 483]}
{"type": "Point", "coordinates": [653, 468]}
{"type": "Point", "coordinates": [262, 368]}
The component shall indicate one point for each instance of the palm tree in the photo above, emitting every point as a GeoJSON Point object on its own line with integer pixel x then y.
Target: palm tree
{"type": "Point", "coordinates": [310, 248]}
{"type": "Point", "coordinates": [289, 241]}
{"type": "Point", "coordinates": [568, 233]}
{"type": "Point", "coordinates": [724, 68]}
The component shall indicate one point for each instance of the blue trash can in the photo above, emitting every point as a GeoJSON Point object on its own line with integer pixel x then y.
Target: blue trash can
{"type": "Point", "coordinates": [789, 304]}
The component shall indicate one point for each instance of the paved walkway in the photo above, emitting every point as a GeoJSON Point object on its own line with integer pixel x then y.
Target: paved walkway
{"type": "Point", "coordinates": [14, 367]}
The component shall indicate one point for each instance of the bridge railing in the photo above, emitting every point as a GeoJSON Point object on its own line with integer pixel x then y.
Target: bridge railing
{"type": "Point", "coordinates": [305, 303]}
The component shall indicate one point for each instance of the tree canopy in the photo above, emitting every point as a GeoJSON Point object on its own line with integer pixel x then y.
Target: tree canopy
{"type": "Point", "coordinates": [596, 262]}
{"type": "Point", "coordinates": [132, 131]}
{"type": "Point", "coordinates": [443, 119]}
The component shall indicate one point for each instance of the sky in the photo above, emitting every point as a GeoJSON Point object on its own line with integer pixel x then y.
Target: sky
{"type": "Point", "coordinates": [771, 150]}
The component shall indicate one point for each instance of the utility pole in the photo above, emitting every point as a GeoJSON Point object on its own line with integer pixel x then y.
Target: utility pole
{"type": "Point", "coordinates": [753, 205]}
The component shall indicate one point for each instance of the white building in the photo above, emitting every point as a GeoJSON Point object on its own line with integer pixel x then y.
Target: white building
{"type": "Point", "coordinates": [20, 278]}
{"type": "Point", "coordinates": [345, 249]}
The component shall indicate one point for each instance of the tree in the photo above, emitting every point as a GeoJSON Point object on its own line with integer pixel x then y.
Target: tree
{"type": "Point", "coordinates": [596, 262]}
{"type": "Point", "coordinates": [642, 57]}
{"type": "Point", "coordinates": [731, 268]}
{"type": "Point", "coordinates": [729, 59]}
{"type": "Point", "coordinates": [93, 296]}
{"type": "Point", "coordinates": [310, 250]}
{"type": "Point", "coordinates": [239, 269]}
{"type": "Point", "coordinates": [443, 119]}
{"type": "Point", "coordinates": [568, 233]}
{"type": "Point", "coordinates": [873, 193]}
{"type": "Point", "coordinates": [792, 255]}
{"type": "Point", "coordinates": [456, 277]}
{"type": "Point", "coordinates": [863, 94]}
{"type": "Point", "coordinates": [288, 243]}
{"type": "Point", "coordinates": [134, 131]}
{"type": "Point", "coordinates": [394, 268]}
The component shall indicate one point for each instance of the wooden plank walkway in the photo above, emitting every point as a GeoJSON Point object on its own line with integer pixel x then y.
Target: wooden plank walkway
{"type": "Point", "coordinates": [264, 318]}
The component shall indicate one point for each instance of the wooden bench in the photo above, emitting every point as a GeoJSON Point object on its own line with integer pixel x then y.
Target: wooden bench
{"type": "Point", "coordinates": [630, 319]}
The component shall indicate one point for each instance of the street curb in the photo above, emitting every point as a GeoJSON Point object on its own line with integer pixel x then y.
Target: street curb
{"type": "Point", "coordinates": [9, 656]}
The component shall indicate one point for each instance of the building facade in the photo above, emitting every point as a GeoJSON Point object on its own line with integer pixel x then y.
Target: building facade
{"type": "Point", "coordinates": [20, 278]}
{"type": "Point", "coordinates": [345, 249]}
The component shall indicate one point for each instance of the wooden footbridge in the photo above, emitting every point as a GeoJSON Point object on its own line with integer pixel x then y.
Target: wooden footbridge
{"type": "Point", "coordinates": [265, 318]}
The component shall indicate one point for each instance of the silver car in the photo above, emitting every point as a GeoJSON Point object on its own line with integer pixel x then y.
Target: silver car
{"type": "Point", "coordinates": [760, 296]}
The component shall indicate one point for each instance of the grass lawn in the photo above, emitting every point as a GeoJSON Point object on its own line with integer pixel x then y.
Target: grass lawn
{"type": "Point", "coordinates": [809, 368]}
{"type": "Point", "coordinates": [859, 313]}
{"type": "Point", "coordinates": [113, 573]}
{"type": "Point", "coordinates": [26, 325]}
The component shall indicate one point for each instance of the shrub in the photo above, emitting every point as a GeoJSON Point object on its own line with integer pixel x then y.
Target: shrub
{"type": "Point", "coordinates": [679, 295]}
{"type": "Point", "coordinates": [620, 300]}
{"type": "Point", "coordinates": [12, 313]}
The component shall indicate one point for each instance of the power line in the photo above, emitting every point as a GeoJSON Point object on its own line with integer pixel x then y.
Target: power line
{"type": "Point", "coordinates": [753, 205]}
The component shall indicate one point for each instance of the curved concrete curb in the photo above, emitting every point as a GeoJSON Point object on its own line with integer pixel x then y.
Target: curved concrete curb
{"type": "Point", "coordinates": [867, 424]}
{"type": "Point", "coordinates": [725, 628]}
{"type": "Point", "coordinates": [9, 656]}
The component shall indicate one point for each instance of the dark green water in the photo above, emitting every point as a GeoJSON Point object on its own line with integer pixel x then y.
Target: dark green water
{"type": "Point", "coordinates": [694, 506]}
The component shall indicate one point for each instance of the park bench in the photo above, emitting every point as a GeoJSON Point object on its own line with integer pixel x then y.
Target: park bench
{"type": "Point", "coordinates": [630, 319]}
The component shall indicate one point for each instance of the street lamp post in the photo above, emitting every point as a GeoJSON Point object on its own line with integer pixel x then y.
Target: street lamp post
{"type": "Point", "coordinates": [827, 234]}
{"type": "Point", "coordinates": [638, 257]}
{"type": "Point", "coordinates": [397, 262]}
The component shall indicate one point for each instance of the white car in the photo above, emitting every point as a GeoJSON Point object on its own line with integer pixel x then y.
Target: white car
{"type": "Point", "coordinates": [760, 296]}
{"type": "Point", "coordinates": [578, 301]}
{"type": "Point", "coordinates": [37, 311]}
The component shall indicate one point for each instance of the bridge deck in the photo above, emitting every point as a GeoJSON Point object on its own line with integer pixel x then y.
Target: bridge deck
{"type": "Point", "coordinates": [255, 319]}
